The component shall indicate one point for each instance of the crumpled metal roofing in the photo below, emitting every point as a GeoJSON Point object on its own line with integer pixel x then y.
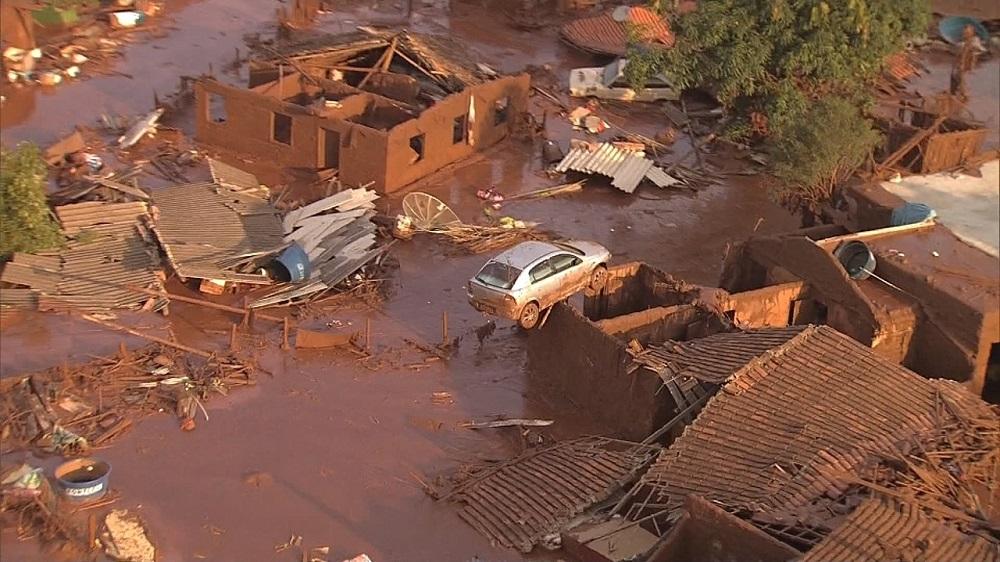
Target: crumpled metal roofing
{"type": "Point", "coordinates": [604, 35]}
{"type": "Point", "coordinates": [337, 234]}
{"type": "Point", "coordinates": [879, 527]}
{"type": "Point", "coordinates": [112, 249]}
{"type": "Point", "coordinates": [797, 422]}
{"type": "Point", "coordinates": [232, 177]}
{"type": "Point", "coordinates": [521, 501]}
{"type": "Point", "coordinates": [206, 230]}
{"type": "Point", "coordinates": [626, 169]}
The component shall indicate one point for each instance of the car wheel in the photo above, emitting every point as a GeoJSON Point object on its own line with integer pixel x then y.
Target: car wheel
{"type": "Point", "coordinates": [598, 278]}
{"type": "Point", "coordinates": [529, 316]}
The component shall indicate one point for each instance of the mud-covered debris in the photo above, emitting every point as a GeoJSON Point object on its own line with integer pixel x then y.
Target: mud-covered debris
{"type": "Point", "coordinates": [141, 128]}
{"type": "Point", "coordinates": [359, 558]}
{"type": "Point", "coordinates": [125, 538]}
{"type": "Point", "coordinates": [258, 479]}
{"type": "Point", "coordinates": [512, 422]}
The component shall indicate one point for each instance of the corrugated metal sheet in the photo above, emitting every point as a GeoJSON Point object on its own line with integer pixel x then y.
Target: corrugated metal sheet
{"type": "Point", "coordinates": [887, 530]}
{"type": "Point", "coordinates": [232, 177]}
{"type": "Point", "coordinates": [795, 424]}
{"type": "Point", "coordinates": [529, 497]}
{"type": "Point", "coordinates": [626, 169]}
{"type": "Point", "coordinates": [603, 35]}
{"type": "Point", "coordinates": [81, 216]}
{"type": "Point", "coordinates": [201, 225]}
{"type": "Point", "coordinates": [338, 236]}
{"type": "Point", "coordinates": [18, 298]}
{"type": "Point", "coordinates": [90, 272]}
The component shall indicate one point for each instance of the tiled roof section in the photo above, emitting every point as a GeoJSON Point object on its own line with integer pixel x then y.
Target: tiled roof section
{"type": "Point", "coordinates": [900, 67]}
{"type": "Point", "coordinates": [521, 501]}
{"type": "Point", "coordinates": [206, 230]}
{"type": "Point", "coordinates": [884, 530]}
{"type": "Point", "coordinates": [790, 426]}
{"type": "Point", "coordinates": [111, 249]}
{"type": "Point", "coordinates": [604, 35]}
{"type": "Point", "coordinates": [715, 358]}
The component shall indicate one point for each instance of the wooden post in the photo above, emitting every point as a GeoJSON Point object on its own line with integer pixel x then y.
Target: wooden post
{"type": "Point", "coordinates": [232, 337]}
{"type": "Point", "coordinates": [284, 334]}
{"type": "Point", "coordinates": [368, 334]}
{"type": "Point", "coordinates": [123, 351]}
{"type": "Point", "coordinates": [444, 327]}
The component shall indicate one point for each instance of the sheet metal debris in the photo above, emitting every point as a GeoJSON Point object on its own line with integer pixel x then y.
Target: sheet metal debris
{"type": "Point", "coordinates": [212, 232]}
{"type": "Point", "coordinates": [626, 168]}
{"type": "Point", "coordinates": [109, 248]}
{"type": "Point", "coordinates": [522, 501]}
{"type": "Point", "coordinates": [338, 236]}
{"type": "Point", "coordinates": [236, 179]}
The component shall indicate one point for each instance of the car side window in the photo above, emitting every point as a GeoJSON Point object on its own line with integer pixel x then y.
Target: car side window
{"type": "Point", "coordinates": [562, 262]}
{"type": "Point", "coordinates": [541, 271]}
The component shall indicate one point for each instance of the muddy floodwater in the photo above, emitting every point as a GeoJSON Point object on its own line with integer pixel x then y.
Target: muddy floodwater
{"type": "Point", "coordinates": [346, 443]}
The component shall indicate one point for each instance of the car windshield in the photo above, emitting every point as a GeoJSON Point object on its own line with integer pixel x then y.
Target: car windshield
{"type": "Point", "coordinates": [498, 274]}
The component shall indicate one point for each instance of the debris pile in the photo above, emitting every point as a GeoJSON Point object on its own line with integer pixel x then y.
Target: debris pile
{"type": "Point", "coordinates": [125, 538]}
{"type": "Point", "coordinates": [109, 250]}
{"type": "Point", "coordinates": [94, 44]}
{"type": "Point", "coordinates": [572, 476]}
{"type": "Point", "coordinates": [425, 213]}
{"type": "Point", "coordinates": [67, 409]}
{"type": "Point", "coordinates": [334, 237]}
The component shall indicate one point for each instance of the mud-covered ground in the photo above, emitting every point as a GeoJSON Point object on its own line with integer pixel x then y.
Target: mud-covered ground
{"type": "Point", "coordinates": [342, 441]}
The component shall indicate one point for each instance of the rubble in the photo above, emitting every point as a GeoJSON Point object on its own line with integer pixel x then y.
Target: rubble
{"type": "Point", "coordinates": [554, 484]}
{"type": "Point", "coordinates": [125, 539]}
{"type": "Point", "coordinates": [109, 395]}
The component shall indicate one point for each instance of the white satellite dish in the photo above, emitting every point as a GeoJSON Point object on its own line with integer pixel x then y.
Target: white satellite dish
{"type": "Point", "coordinates": [621, 13]}
{"type": "Point", "coordinates": [428, 212]}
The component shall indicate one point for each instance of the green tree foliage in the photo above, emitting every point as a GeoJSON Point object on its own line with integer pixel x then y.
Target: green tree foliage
{"type": "Point", "coordinates": [770, 56]}
{"type": "Point", "coordinates": [816, 149]}
{"type": "Point", "coordinates": [26, 224]}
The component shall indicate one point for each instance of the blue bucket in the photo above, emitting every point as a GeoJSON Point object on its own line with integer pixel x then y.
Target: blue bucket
{"type": "Point", "coordinates": [952, 27]}
{"type": "Point", "coordinates": [911, 213]}
{"type": "Point", "coordinates": [857, 259]}
{"type": "Point", "coordinates": [83, 480]}
{"type": "Point", "coordinates": [295, 261]}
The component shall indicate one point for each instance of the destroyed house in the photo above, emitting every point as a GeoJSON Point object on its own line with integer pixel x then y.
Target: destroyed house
{"type": "Point", "coordinates": [624, 339]}
{"type": "Point", "coordinates": [831, 449]}
{"type": "Point", "coordinates": [381, 109]}
{"type": "Point", "coordinates": [932, 304]}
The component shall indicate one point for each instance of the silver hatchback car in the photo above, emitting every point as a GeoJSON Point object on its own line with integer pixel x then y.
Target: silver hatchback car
{"type": "Point", "coordinates": [523, 281]}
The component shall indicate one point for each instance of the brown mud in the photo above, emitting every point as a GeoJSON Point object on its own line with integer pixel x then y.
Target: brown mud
{"type": "Point", "coordinates": [340, 440]}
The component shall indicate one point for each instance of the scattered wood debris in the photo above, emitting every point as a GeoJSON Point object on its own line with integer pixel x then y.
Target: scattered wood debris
{"type": "Point", "coordinates": [68, 408]}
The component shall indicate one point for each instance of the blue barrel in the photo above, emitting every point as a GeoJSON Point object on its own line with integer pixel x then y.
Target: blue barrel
{"type": "Point", "coordinates": [951, 29]}
{"type": "Point", "coordinates": [295, 262]}
{"type": "Point", "coordinates": [911, 213]}
{"type": "Point", "coordinates": [857, 259]}
{"type": "Point", "coordinates": [83, 480]}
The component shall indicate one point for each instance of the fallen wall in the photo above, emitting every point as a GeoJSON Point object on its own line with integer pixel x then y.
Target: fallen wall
{"type": "Point", "coordinates": [579, 362]}
{"type": "Point", "coordinates": [707, 533]}
{"type": "Point", "coordinates": [437, 125]}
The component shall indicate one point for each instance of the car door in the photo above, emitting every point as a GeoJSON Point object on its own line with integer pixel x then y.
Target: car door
{"type": "Point", "coordinates": [544, 286]}
{"type": "Point", "coordinates": [568, 274]}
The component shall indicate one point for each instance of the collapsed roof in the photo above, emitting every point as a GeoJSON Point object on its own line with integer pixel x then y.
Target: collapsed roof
{"type": "Point", "coordinates": [799, 433]}
{"type": "Point", "coordinates": [447, 63]}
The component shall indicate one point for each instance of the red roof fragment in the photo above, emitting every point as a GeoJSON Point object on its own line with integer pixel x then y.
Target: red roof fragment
{"type": "Point", "coordinates": [605, 35]}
